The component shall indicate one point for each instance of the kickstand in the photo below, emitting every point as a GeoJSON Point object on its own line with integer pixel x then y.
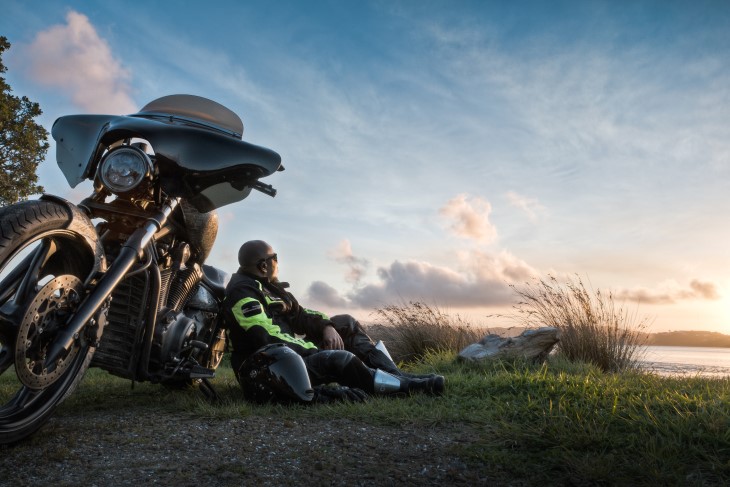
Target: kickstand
{"type": "Point", "coordinates": [207, 389]}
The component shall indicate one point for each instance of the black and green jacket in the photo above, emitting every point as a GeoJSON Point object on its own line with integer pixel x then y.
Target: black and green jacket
{"type": "Point", "coordinates": [257, 312]}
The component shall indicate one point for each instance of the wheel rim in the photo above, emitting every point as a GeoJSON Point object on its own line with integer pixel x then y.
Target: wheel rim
{"type": "Point", "coordinates": [44, 318]}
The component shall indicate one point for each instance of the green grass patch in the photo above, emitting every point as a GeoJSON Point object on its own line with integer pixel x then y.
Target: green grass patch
{"type": "Point", "coordinates": [555, 423]}
{"type": "Point", "coordinates": [586, 417]}
{"type": "Point", "coordinates": [593, 326]}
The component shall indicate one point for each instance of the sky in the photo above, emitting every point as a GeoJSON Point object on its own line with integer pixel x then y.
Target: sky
{"type": "Point", "coordinates": [439, 152]}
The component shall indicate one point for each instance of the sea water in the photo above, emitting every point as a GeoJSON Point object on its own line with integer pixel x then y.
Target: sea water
{"type": "Point", "coordinates": [703, 361]}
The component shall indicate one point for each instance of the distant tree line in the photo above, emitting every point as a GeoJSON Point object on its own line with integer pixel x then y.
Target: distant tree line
{"type": "Point", "coordinates": [689, 339]}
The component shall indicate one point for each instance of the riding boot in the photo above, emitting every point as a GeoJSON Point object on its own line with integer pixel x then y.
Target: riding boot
{"type": "Point", "coordinates": [385, 383]}
{"type": "Point", "coordinates": [377, 359]}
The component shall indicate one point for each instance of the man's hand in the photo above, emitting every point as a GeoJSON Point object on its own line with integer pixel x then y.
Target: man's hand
{"type": "Point", "coordinates": [332, 340]}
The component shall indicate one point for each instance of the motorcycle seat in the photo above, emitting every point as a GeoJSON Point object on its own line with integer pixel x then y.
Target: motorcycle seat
{"type": "Point", "coordinates": [217, 280]}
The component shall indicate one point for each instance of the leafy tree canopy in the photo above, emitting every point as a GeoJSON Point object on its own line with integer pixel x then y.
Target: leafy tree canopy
{"type": "Point", "coordinates": [23, 142]}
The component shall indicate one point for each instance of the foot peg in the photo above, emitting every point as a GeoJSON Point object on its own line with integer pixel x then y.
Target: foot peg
{"type": "Point", "coordinates": [200, 372]}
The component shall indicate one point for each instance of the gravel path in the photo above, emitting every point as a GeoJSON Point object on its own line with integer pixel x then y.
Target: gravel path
{"type": "Point", "coordinates": [106, 449]}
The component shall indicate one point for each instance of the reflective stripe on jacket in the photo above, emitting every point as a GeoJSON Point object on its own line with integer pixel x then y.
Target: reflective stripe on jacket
{"type": "Point", "coordinates": [257, 313]}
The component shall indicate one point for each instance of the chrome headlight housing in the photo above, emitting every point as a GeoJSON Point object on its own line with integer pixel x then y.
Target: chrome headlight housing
{"type": "Point", "coordinates": [124, 169]}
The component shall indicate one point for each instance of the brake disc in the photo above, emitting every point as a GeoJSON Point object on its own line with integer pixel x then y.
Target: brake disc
{"type": "Point", "coordinates": [47, 314]}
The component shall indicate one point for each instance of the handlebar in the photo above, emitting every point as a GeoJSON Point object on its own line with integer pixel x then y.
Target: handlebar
{"type": "Point", "coordinates": [264, 188]}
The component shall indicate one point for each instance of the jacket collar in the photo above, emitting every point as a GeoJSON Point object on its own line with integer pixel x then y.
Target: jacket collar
{"type": "Point", "coordinates": [263, 280]}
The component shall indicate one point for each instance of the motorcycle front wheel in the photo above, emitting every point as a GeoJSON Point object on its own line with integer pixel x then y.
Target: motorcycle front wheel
{"type": "Point", "coordinates": [42, 270]}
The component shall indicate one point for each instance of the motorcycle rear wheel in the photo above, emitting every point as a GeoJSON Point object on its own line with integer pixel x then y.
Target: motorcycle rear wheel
{"type": "Point", "coordinates": [42, 268]}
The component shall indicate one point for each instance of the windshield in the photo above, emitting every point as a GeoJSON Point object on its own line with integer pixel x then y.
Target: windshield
{"type": "Point", "coordinates": [195, 109]}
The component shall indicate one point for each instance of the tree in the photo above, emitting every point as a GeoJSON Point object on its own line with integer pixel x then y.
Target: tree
{"type": "Point", "coordinates": [23, 143]}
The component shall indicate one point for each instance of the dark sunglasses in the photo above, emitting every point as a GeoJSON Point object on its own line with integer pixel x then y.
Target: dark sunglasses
{"type": "Point", "coordinates": [273, 257]}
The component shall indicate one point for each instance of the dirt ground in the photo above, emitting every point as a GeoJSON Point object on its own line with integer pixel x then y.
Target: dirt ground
{"type": "Point", "coordinates": [103, 449]}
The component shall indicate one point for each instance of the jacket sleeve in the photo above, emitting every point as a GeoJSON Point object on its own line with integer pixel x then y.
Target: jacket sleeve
{"type": "Point", "coordinates": [250, 316]}
{"type": "Point", "coordinates": [308, 322]}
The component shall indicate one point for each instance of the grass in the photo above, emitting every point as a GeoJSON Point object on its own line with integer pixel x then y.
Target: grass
{"type": "Point", "coordinates": [573, 420]}
{"type": "Point", "coordinates": [593, 327]}
{"type": "Point", "coordinates": [557, 423]}
{"type": "Point", "coordinates": [414, 330]}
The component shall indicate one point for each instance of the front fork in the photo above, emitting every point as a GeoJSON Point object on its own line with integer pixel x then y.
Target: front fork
{"type": "Point", "coordinates": [131, 251]}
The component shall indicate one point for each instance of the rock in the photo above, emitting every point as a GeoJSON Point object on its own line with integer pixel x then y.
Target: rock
{"type": "Point", "coordinates": [531, 344]}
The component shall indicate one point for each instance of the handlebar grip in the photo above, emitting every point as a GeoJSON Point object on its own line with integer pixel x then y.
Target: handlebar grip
{"type": "Point", "coordinates": [264, 188]}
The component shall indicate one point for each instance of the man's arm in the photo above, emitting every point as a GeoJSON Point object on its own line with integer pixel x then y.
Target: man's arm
{"type": "Point", "coordinates": [313, 324]}
{"type": "Point", "coordinates": [260, 330]}
{"type": "Point", "coordinates": [318, 326]}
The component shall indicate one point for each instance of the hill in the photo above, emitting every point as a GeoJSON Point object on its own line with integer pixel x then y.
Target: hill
{"type": "Point", "coordinates": [689, 339]}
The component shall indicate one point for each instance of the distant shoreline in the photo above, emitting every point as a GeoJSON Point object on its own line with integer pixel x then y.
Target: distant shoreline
{"type": "Point", "coordinates": [710, 339]}
{"type": "Point", "coordinates": [689, 339]}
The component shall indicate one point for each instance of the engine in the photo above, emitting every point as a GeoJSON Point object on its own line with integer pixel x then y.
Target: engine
{"type": "Point", "coordinates": [185, 319]}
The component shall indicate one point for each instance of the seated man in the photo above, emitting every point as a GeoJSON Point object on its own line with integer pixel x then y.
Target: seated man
{"type": "Point", "coordinates": [258, 311]}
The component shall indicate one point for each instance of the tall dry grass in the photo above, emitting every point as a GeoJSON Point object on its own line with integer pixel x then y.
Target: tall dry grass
{"type": "Point", "coordinates": [594, 329]}
{"type": "Point", "coordinates": [414, 330]}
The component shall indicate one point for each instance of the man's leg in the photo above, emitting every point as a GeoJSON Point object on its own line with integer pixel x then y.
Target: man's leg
{"type": "Point", "coordinates": [346, 369]}
{"type": "Point", "coordinates": [354, 336]}
{"type": "Point", "coordinates": [339, 366]}
{"type": "Point", "coordinates": [359, 343]}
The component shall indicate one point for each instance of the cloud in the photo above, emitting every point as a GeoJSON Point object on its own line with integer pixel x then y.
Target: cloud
{"type": "Point", "coordinates": [670, 292]}
{"type": "Point", "coordinates": [321, 293]}
{"type": "Point", "coordinates": [356, 266]}
{"type": "Point", "coordinates": [75, 59]}
{"type": "Point", "coordinates": [470, 219]}
{"type": "Point", "coordinates": [483, 282]}
{"type": "Point", "coordinates": [486, 284]}
{"type": "Point", "coordinates": [589, 110]}
{"type": "Point", "coordinates": [704, 290]}
{"type": "Point", "coordinates": [480, 279]}
{"type": "Point", "coordinates": [502, 266]}
{"type": "Point", "coordinates": [530, 206]}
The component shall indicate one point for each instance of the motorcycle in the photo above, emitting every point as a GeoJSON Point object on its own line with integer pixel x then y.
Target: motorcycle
{"type": "Point", "coordinates": [118, 281]}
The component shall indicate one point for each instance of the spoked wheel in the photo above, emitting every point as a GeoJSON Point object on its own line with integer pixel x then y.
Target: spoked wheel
{"type": "Point", "coordinates": [42, 270]}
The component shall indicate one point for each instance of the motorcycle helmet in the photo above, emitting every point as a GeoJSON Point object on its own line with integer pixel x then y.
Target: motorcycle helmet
{"type": "Point", "coordinates": [275, 373]}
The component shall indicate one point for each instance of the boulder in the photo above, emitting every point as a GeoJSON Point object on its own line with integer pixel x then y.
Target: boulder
{"type": "Point", "coordinates": [533, 344]}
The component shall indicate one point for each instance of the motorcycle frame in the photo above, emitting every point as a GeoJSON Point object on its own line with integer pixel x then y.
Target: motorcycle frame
{"type": "Point", "coordinates": [132, 250]}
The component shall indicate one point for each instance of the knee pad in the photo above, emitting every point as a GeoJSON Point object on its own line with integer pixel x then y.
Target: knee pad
{"type": "Point", "coordinates": [346, 323]}
{"type": "Point", "coordinates": [330, 362]}
{"type": "Point", "coordinates": [340, 358]}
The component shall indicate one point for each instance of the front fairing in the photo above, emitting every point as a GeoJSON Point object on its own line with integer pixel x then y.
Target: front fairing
{"type": "Point", "coordinates": [207, 167]}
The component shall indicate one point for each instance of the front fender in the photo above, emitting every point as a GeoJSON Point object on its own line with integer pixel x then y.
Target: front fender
{"type": "Point", "coordinates": [81, 225]}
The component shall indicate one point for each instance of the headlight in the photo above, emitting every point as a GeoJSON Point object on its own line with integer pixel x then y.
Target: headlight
{"type": "Point", "coordinates": [124, 168]}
